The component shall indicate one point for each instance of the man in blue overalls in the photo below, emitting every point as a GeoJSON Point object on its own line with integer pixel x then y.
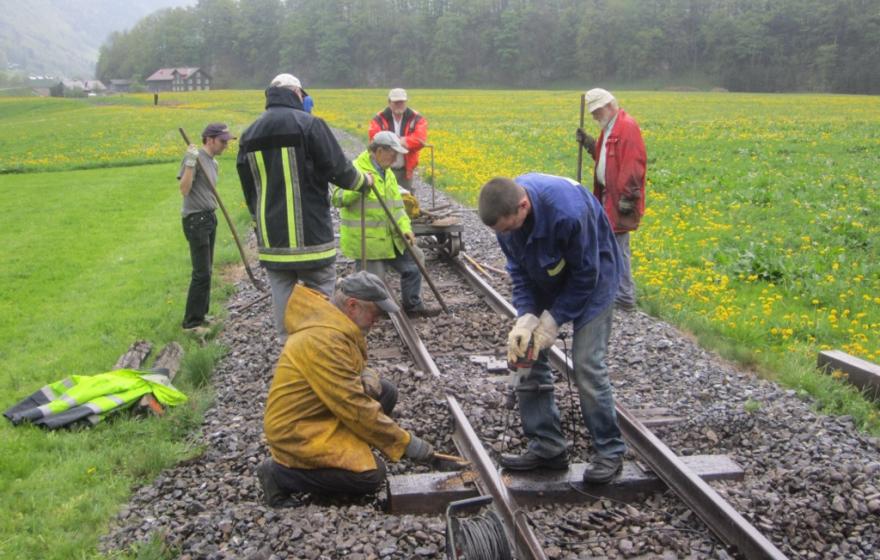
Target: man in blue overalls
{"type": "Point", "coordinates": [565, 266]}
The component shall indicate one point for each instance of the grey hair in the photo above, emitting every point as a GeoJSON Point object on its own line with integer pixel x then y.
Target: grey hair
{"type": "Point", "coordinates": [499, 198]}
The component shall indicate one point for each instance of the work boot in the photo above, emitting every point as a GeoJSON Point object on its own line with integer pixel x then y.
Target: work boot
{"type": "Point", "coordinates": [199, 331]}
{"type": "Point", "coordinates": [625, 305]}
{"type": "Point", "coordinates": [530, 461]}
{"type": "Point", "coordinates": [422, 310]}
{"type": "Point", "coordinates": [273, 495]}
{"type": "Point", "coordinates": [603, 470]}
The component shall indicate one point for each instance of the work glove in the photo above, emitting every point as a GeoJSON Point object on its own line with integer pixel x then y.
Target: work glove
{"type": "Point", "coordinates": [546, 332]}
{"type": "Point", "coordinates": [586, 141]}
{"type": "Point", "coordinates": [410, 204]}
{"type": "Point", "coordinates": [419, 450]}
{"type": "Point", "coordinates": [372, 383]}
{"type": "Point", "coordinates": [625, 206]}
{"type": "Point", "coordinates": [191, 157]}
{"type": "Point", "coordinates": [520, 336]}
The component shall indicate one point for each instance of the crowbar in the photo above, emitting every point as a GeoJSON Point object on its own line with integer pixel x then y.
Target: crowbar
{"type": "Point", "coordinates": [581, 146]}
{"type": "Point", "coordinates": [421, 266]}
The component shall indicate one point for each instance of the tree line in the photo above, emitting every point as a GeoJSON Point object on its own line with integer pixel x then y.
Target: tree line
{"type": "Point", "coordinates": [741, 45]}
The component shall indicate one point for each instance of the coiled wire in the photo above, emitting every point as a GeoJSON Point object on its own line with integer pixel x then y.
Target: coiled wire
{"type": "Point", "coordinates": [481, 538]}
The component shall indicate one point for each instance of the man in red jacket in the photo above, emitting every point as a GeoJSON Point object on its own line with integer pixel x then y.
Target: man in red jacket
{"type": "Point", "coordinates": [410, 126]}
{"type": "Point", "coordinates": [619, 178]}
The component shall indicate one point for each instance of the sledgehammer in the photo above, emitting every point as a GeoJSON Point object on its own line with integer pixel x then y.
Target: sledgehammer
{"type": "Point", "coordinates": [247, 267]}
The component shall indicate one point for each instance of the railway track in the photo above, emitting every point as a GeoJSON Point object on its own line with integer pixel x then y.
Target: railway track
{"type": "Point", "coordinates": [724, 521]}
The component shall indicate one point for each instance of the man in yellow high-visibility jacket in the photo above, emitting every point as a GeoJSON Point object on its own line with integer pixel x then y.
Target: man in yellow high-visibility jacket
{"type": "Point", "coordinates": [385, 247]}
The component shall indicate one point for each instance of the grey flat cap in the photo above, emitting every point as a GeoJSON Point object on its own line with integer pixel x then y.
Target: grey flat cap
{"type": "Point", "coordinates": [366, 286]}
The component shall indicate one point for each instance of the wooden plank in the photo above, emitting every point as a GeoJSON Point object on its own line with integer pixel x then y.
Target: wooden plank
{"type": "Point", "coordinates": [432, 492]}
{"type": "Point", "coordinates": [135, 356]}
{"type": "Point", "coordinates": [429, 492]}
{"type": "Point", "coordinates": [168, 359]}
{"type": "Point", "coordinates": [861, 373]}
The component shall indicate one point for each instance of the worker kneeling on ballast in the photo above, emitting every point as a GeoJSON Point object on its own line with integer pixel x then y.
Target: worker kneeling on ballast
{"type": "Point", "coordinates": [385, 248]}
{"type": "Point", "coordinates": [563, 261]}
{"type": "Point", "coordinates": [322, 415]}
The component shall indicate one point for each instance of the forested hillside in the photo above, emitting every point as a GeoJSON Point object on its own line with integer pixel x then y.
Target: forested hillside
{"type": "Point", "coordinates": [743, 45]}
{"type": "Point", "coordinates": [62, 37]}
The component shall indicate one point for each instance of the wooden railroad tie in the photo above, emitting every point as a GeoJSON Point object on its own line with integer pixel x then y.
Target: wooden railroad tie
{"type": "Point", "coordinates": [432, 492]}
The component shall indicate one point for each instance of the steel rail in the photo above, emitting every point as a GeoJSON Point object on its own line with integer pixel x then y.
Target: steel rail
{"type": "Point", "coordinates": [410, 337]}
{"type": "Point", "coordinates": [731, 527]}
{"type": "Point", "coordinates": [514, 520]}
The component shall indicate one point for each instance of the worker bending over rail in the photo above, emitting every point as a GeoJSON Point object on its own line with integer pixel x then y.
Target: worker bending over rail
{"type": "Point", "coordinates": [563, 261]}
{"type": "Point", "coordinates": [321, 417]}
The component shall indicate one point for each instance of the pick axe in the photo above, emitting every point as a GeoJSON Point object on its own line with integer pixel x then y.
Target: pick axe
{"type": "Point", "coordinates": [213, 188]}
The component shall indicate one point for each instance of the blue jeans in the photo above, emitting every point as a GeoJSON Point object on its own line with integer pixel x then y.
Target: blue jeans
{"type": "Point", "coordinates": [410, 277]}
{"type": "Point", "coordinates": [537, 404]}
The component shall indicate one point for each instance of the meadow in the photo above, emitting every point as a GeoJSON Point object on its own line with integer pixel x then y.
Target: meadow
{"type": "Point", "coordinates": [760, 237]}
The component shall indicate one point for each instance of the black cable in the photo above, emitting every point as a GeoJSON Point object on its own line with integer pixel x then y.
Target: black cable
{"type": "Point", "coordinates": [572, 417]}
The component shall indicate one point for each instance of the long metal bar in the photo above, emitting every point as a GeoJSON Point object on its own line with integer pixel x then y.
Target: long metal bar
{"type": "Point", "coordinates": [419, 263]}
{"type": "Point", "coordinates": [411, 338]}
{"type": "Point", "coordinates": [731, 527]}
{"type": "Point", "coordinates": [514, 520]}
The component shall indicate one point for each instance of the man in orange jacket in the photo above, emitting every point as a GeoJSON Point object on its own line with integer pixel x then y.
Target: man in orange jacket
{"type": "Point", "coordinates": [410, 126]}
{"type": "Point", "coordinates": [619, 178]}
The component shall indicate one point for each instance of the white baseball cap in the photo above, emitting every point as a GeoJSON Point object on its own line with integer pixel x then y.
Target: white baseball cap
{"type": "Point", "coordinates": [597, 98]}
{"type": "Point", "coordinates": [286, 80]}
{"type": "Point", "coordinates": [397, 94]}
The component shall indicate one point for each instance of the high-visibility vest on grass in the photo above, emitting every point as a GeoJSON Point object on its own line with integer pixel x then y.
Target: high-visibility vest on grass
{"type": "Point", "coordinates": [382, 238]}
{"type": "Point", "coordinates": [91, 398]}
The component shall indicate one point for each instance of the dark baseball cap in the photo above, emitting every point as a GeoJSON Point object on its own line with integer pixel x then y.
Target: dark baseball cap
{"type": "Point", "coordinates": [217, 130]}
{"type": "Point", "coordinates": [366, 286]}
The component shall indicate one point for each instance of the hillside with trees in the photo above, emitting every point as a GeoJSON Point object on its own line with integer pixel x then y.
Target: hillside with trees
{"type": "Point", "coordinates": [741, 45]}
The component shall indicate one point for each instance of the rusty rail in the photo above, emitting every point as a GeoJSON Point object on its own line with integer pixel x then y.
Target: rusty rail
{"type": "Point", "coordinates": [515, 522]}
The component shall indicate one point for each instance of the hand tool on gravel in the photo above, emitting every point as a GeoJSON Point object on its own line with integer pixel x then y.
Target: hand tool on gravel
{"type": "Point", "coordinates": [244, 260]}
{"type": "Point", "coordinates": [581, 146]}
{"type": "Point", "coordinates": [421, 266]}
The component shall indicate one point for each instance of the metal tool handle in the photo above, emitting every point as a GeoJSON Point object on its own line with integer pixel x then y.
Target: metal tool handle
{"type": "Point", "coordinates": [581, 146]}
{"type": "Point", "coordinates": [421, 266]}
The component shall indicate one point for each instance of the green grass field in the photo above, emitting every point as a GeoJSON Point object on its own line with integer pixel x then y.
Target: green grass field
{"type": "Point", "coordinates": [761, 238]}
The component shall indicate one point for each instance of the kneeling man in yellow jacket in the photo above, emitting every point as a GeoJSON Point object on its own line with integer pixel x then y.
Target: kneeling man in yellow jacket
{"type": "Point", "coordinates": [320, 422]}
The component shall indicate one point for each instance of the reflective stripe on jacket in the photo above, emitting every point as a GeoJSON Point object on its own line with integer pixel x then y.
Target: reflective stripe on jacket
{"type": "Point", "coordinates": [382, 238]}
{"type": "Point", "coordinates": [285, 161]}
{"type": "Point", "coordinates": [92, 397]}
{"type": "Point", "coordinates": [317, 413]}
{"type": "Point", "coordinates": [413, 133]}
{"type": "Point", "coordinates": [625, 168]}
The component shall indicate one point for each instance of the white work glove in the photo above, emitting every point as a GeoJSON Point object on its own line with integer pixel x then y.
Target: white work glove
{"type": "Point", "coordinates": [546, 332]}
{"type": "Point", "coordinates": [191, 156]}
{"type": "Point", "coordinates": [520, 336]}
{"type": "Point", "coordinates": [419, 449]}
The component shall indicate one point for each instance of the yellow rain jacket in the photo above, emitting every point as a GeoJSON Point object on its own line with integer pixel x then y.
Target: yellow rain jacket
{"type": "Point", "coordinates": [317, 414]}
